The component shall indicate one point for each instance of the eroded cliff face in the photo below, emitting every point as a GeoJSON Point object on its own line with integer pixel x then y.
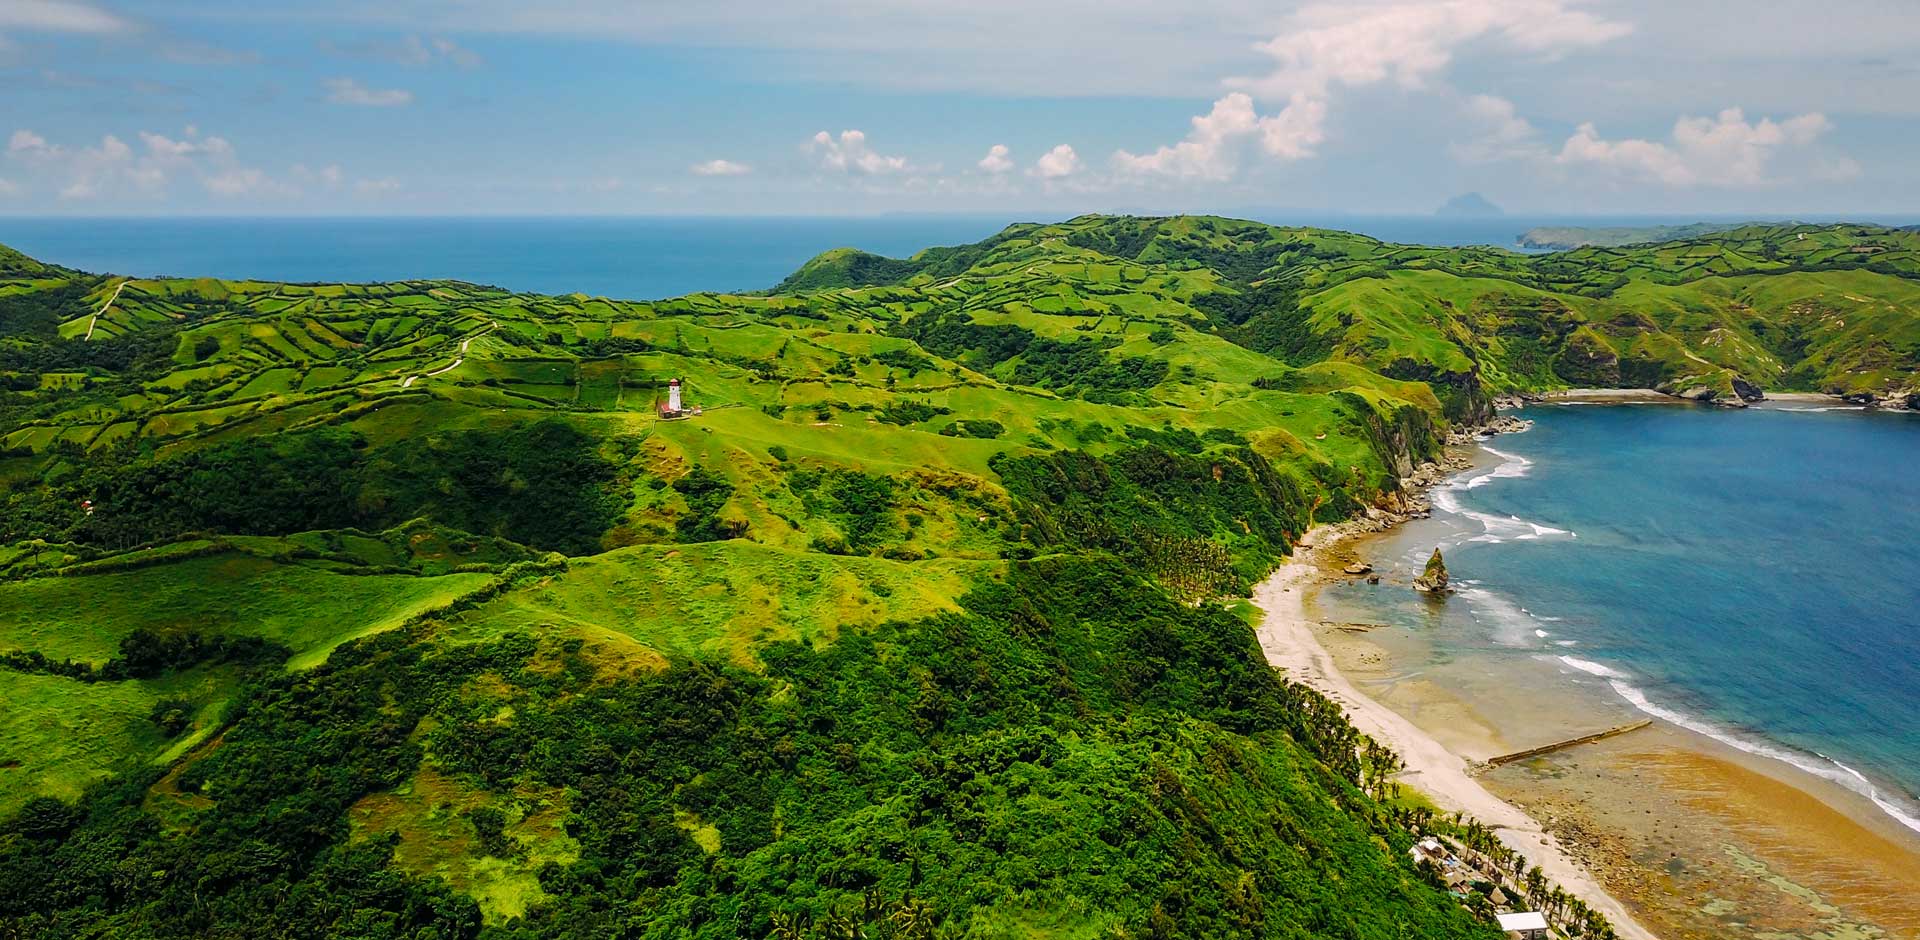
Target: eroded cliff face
{"type": "Point", "coordinates": [1464, 397]}
{"type": "Point", "coordinates": [1402, 435]}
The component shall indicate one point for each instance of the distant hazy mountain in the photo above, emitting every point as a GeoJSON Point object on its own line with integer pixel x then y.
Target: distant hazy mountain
{"type": "Point", "coordinates": [1470, 206]}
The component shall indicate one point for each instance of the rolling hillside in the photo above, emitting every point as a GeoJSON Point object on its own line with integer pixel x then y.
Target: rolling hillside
{"type": "Point", "coordinates": [402, 610]}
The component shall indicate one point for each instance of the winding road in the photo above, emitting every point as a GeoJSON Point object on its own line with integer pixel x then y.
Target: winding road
{"type": "Point", "coordinates": [103, 309]}
{"type": "Point", "coordinates": [455, 364]}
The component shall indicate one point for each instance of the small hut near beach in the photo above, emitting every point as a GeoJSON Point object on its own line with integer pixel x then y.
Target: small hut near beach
{"type": "Point", "coordinates": [1525, 925]}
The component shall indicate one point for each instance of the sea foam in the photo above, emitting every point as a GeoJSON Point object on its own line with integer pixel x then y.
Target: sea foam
{"type": "Point", "coordinates": [1493, 529]}
{"type": "Point", "coordinates": [1511, 624]}
{"type": "Point", "coordinates": [1819, 765]}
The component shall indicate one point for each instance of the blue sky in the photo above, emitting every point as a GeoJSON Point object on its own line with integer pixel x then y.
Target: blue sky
{"type": "Point", "coordinates": [861, 106]}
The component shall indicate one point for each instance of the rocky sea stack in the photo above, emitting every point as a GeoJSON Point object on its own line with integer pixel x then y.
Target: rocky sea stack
{"type": "Point", "coordinates": [1434, 579]}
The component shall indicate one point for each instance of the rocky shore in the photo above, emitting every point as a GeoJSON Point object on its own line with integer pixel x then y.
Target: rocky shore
{"type": "Point", "coordinates": [1743, 394]}
{"type": "Point", "coordinates": [1288, 639]}
{"type": "Point", "coordinates": [1410, 500]}
{"type": "Point", "coordinates": [1668, 831]}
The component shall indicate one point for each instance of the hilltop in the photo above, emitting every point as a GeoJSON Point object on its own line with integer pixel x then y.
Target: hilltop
{"type": "Point", "coordinates": [390, 608]}
{"type": "Point", "coordinates": [1567, 237]}
{"type": "Point", "coordinates": [1717, 316]}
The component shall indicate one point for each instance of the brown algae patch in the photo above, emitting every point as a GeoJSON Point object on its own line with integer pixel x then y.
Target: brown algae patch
{"type": "Point", "coordinates": [1705, 847]}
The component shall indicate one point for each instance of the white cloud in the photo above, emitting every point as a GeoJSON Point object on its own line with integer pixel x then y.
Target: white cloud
{"type": "Point", "coordinates": [1297, 130]}
{"type": "Point", "coordinates": [1725, 150]}
{"type": "Point", "coordinates": [166, 150]}
{"type": "Point", "coordinates": [1058, 163]}
{"type": "Point", "coordinates": [998, 160]}
{"type": "Point", "coordinates": [720, 168]}
{"type": "Point", "coordinates": [86, 172]}
{"type": "Point", "coordinates": [58, 16]}
{"type": "Point", "coordinates": [1068, 47]}
{"type": "Point", "coordinates": [329, 176]}
{"type": "Point", "coordinates": [1328, 45]}
{"type": "Point", "coordinates": [26, 141]}
{"type": "Point", "coordinates": [350, 92]}
{"type": "Point", "coordinates": [851, 154]}
{"type": "Point", "coordinates": [413, 51]}
{"type": "Point", "coordinates": [1408, 43]}
{"type": "Point", "coordinates": [377, 187]}
{"type": "Point", "coordinates": [246, 181]}
{"type": "Point", "coordinates": [1206, 153]}
{"type": "Point", "coordinates": [441, 49]}
{"type": "Point", "coordinates": [1211, 149]}
{"type": "Point", "coordinates": [1500, 132]}
{"type": "Point", "coordinates": [116, 170]}
{"type": "Point", "coordinates": [8, 187]}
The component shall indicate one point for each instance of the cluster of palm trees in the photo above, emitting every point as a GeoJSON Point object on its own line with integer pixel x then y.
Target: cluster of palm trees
{"type": "Point", "coordinates": [1371, 766]}
{"type": "Point", "coordinates": [1378, 764]}
{"type": "Point", "coordinates": [871, 918]}
{"type": "Point", "coordinates": [1191, 567]}
{"type": "Point", "coordinates": [1507, 867]}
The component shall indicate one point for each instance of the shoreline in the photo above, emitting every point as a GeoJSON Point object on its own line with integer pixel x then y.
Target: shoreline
{"type": "Point", "coordinates": [1287, 639]}
{"type": "Point", "coordinates": [1701, 837]}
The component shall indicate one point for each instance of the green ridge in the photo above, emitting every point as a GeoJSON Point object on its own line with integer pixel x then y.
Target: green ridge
{"type": "Point", "coordinates": [923, 626]}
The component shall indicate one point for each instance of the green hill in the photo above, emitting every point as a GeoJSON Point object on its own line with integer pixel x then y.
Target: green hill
{"type": "Point", "coordinates": [1567, 237]}
{"type": "Point", "coordinates": [402, 609]}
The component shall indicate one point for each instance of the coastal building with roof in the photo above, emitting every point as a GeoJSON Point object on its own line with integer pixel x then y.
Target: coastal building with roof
{"type": "Point", "coordinates": [1524, 925]}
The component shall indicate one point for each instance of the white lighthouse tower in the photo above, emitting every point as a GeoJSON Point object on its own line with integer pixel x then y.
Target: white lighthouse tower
{"type": "Point", "coordinates": [673, 396]}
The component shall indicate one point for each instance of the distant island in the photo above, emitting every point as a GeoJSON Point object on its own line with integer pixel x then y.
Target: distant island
{"type": "Point", "coordinates": [1568, 237]}
{"type": "Point", "coordinates": [1469, 206]}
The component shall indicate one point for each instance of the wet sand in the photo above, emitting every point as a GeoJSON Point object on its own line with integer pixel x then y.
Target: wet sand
{"type": "Point", "coordinates": [1290, 638]}
{"type": "Point", "coordinates": [1698, 839]}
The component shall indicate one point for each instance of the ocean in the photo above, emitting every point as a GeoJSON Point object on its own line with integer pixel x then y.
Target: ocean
{"type": "Point", "coordinates": [1750, 575]}
{"type": "Point", "coordinates": [628, 258]}
{"type": "Point", "coordinates": [622, 258]}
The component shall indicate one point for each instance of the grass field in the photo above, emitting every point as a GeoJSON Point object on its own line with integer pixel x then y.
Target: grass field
{"type": "Point", "coordinates": [865, 446]}
{"type": "Point", "coordinates": [303, 608]}
{"type": "Point", "coordinates": [721, 599]}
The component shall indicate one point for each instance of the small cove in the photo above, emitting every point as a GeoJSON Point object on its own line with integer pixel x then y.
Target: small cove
{"type": "Point", "coordinates": [1746, 575]}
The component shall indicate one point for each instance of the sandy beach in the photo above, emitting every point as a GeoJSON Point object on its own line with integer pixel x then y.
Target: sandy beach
{"type": "Point", "coordinates": [1668, 832]}
{"type": "Point", "coordinates": [1612, 396]}
{"type": "Point", "coordinates": [1287, 637]}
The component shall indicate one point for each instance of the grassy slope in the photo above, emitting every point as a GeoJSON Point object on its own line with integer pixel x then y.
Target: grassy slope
{"type": "Point", "coordinates": [1562, 237]}
{"type": "Point", "coordinates": [812, 393]}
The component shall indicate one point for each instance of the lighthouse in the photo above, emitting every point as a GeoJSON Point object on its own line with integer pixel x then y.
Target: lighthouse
{"type": "Point", "coordinates": [673, 396]}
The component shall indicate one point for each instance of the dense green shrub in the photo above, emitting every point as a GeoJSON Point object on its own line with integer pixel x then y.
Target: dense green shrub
{"type": "Point", "coordinates": [974, 427]}
{"type": "Point", "coordinates": [1072, 746]}
{"type": "Point", "coordinates": [543, 485]}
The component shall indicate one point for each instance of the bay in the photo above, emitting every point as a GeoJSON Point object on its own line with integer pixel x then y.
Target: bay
{"type": "Point", "coordinates": [1750, 575]}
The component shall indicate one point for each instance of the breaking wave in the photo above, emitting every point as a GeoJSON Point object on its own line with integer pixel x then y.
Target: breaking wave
{"type": "Point", "coordinates": [1493, 529]}
{"type": "Point", "coordinates": [1817, 764]}
{"type": "Point", "coordinates": [1513, 625]}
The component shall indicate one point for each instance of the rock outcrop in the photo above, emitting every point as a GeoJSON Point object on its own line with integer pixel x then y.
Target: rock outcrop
{"type": "Point", "coordinates": [1434, 579]}
{"type": "Point", "coordinates": [1905, 398]}
{"type": "Point", "coordinates": [1747, 390]}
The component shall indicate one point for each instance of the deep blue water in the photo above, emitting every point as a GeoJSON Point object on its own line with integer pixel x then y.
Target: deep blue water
{"type": "Point", "coordinates": [632, 258]}
{"type": "Point", "coordinates": [1754, 575]}
{"type": "Point", "coordinates": [625, 258]}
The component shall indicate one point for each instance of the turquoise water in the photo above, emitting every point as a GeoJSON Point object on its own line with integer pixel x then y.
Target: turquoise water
{"type": "Point", "coordinates": [625, 258]}
{"type": "Point", "coordinates": [1751, 575]}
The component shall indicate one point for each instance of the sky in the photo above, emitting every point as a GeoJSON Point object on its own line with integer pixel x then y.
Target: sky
{"type": "Point", "coordinates": [764, 107]}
